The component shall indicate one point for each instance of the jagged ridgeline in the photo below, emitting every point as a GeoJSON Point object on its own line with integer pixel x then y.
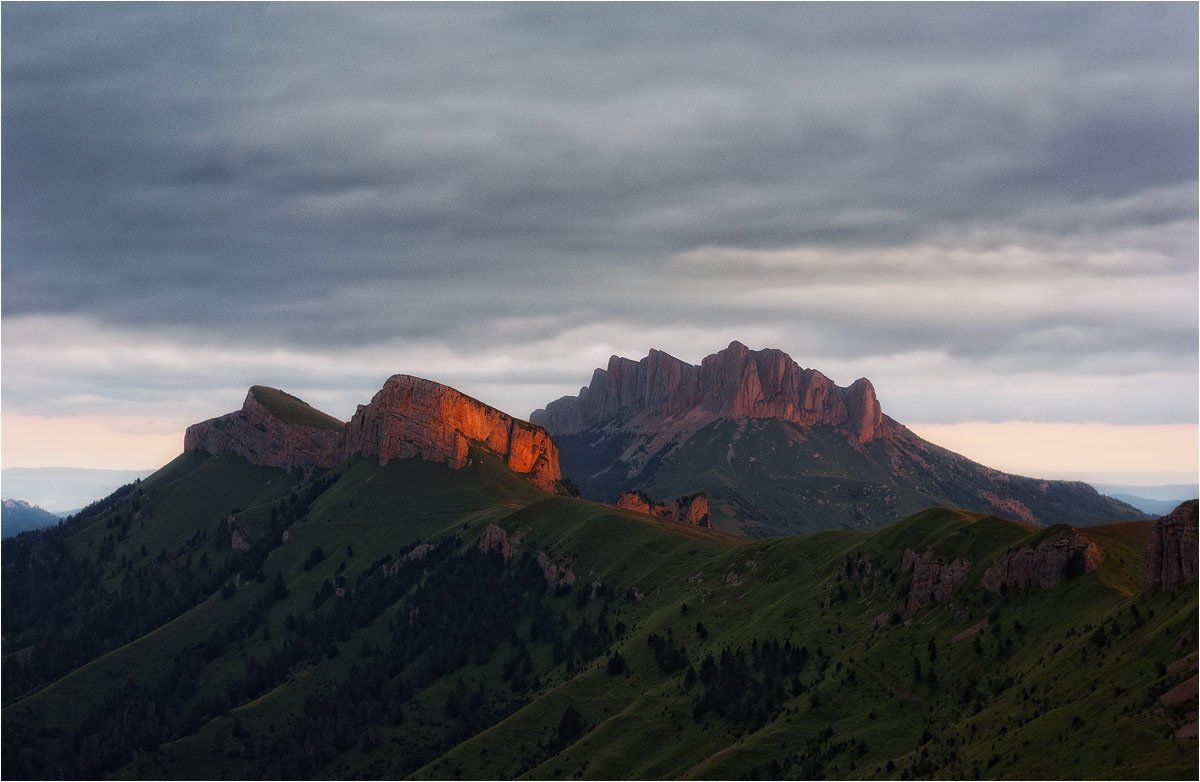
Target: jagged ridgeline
{"type": "Point", "coordinates": [779, 449]}
{"type": "Point", "coordinates": [409, 596]}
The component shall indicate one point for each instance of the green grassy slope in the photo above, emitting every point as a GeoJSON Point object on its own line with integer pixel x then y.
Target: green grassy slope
{"type": "Point", "coordinates": [365, 634]}
{"type": "Point", "coordinates": [293, 410]}
{"type": "Point", "coordinates": [770, 477]}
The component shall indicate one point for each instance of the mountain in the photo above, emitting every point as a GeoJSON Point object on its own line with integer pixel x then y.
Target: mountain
{"type": "Point", "coordinates": [430, 616]}
{"type": "Point", "coordinates": [1164, 492]}
{"type": "Point", "coordinates": [779, 449]}
{"type": "Point", "coordinates": [1155, 500]}
{"type": "Point", "coordinates": [63, 490]}
{"type": "Point", "coordinates": [1145, 504]}
{"type": "Point", "coordinates": [409, 417]}
{"type": "Point", "coordinates": [19, 516]}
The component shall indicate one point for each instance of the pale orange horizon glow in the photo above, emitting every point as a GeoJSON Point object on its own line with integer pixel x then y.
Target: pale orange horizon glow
{"type": "Point", "coordinates": [1095, 452]}
{"type": "Point", "coordinates": [128, 442]}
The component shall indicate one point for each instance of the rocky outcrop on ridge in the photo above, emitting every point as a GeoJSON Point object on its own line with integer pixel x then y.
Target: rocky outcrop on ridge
{"type": "Point", "coordinates": [260, 437]}
{"type": "Point", "coordinates": [735, 383]}
{"type": "Point", "coordinates": [409, 417]}
{"type": "Point", "coordinates": [1059, 556]}
{"type": "Point", "coordinates": [412, 417]}
{"type": "Point", "coordinates": [689, 510]}
{"type": "Point", "coordinates": [1171, 551]}
{"type": "Point", "coordinates": [496, 539]}
{"type": "Point", "coordinates": [558, 576]}
{"type": "Point", "coordinates": [934, 578]}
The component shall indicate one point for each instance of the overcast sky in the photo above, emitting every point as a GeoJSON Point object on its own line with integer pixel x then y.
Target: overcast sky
{"type": "Point", "coordinates": [990, 211]}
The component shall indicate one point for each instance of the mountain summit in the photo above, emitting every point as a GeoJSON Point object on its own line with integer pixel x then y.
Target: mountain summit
{"type": "Point", "coordinates": [780, 449]}
{"type": "Point", "coordinates": [737, 384]}
{"type": "Point", "coordinates": [409, 417]}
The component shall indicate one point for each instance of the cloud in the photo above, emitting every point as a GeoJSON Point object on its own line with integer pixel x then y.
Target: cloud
{"type": "Point", "coordinates": [502, 195]}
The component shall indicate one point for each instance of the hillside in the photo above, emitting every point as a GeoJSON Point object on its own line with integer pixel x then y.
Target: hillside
{"type": "Point", "coordinates": [226, 619]}
{"type": "Point", "coordinates": [779, 449]}
{"type": "Point", "coordinates": [17, 516]}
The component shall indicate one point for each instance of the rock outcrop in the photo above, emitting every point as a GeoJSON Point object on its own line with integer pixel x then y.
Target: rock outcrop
{"type": "Point", "coordinates": [409, 417]}
{"type": "Point", "coordinates": [557, 576]}
{"type": "Point", "coordinates": [934, 578]}
{"type": "Point", "coordinates": [496, 539]}
{"type": "Point", "coordinates": [1171, 551]}
{"type": "Point", "coordinates": [1062, 554]}
{"type": "Point", "coordinates": [735, 383]}
{"type": "Point", "coordinates": [412, 417]}
{"type": "Point", "coordinates": [692, 509]}
{"type": "Point", "coordinates": [261, 437]}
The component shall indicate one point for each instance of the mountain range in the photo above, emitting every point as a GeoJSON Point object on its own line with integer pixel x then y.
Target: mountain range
{"type": "Point", "coordinates": [416, 593]}
{"type": "Point", "coordinates": [780, 449]}
{"type": "Point", "coordinates": [19, 516]}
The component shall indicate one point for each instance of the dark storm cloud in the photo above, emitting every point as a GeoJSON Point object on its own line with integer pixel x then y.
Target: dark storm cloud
{"type": "Point", "coordinates": [340, 175]}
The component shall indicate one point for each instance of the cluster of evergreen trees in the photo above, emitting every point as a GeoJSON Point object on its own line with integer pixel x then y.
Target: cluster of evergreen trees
{"type": "Point", "coordinates": [745, 688]}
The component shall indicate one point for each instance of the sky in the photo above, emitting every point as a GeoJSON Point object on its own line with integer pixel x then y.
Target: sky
{"type": "Point", "coordinates": [988, 210]}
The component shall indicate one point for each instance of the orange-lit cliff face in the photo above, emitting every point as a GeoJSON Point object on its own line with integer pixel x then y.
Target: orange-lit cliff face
{"type": "Point", "coordinates": [735, 383]}
{"type": "Point", "coordinates": [689, 510]}
{"type": "Point", "coordinates": [409, 417]}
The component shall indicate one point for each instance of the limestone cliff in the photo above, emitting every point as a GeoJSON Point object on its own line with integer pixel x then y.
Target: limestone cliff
{"type": "Point", "coordinates": [735, 383]}
{"type": "Point", "coordinates": [689, 510]}
{"type": "Point", "coordinates": [409, 417]}
{"type": "Point", "coordinates": [779, 449]}
{"type": "Point", "coordinates": [934, 578]}
{"type": "Point", "coordinates": [1171, 551]}
{"type": "Point", "coordinates": [412, 417]}
{"type": "Point", "coordinates": [268, 436]}
{"type": "Point", "coordinates": [1062, 554]}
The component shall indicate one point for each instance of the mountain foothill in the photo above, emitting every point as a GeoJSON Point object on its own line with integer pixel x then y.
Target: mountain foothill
{"type": "Point", "coordinates": [616, 588]}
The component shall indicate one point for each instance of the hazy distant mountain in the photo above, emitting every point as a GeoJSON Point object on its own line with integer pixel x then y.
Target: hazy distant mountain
{"type": "Point", "coordinates": [63, 489]}
{"type": "Point", "coordinates": [780, 449]}
{"type": "Point", "coordinates": [17, 516]}
{"type": "Point", "coordinates": [1163, 491]}
{"type": "Point", "coordinates": [1145, 504]}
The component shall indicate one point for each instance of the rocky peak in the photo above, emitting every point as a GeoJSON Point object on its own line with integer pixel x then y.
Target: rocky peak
{"type": "Point", "coordinates": [272, 430]}
{"type": "Point", "coordinates": [408, 417]}
{"type": "Point", "coordinates": [735, 383]}
{"type": "Point", "coordinates": [1171, 551]}
{"type": "Point", "coordinates": [413, 417]}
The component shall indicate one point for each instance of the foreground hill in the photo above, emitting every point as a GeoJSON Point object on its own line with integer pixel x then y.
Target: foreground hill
{"type": "Point", "coordinates": [395, 617]}
{"type": "Point", "coordinates": [779, 449]}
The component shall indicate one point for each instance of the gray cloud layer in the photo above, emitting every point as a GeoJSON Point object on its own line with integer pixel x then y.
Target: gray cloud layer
{"type": "Point", "coordinates": [1008, 188]}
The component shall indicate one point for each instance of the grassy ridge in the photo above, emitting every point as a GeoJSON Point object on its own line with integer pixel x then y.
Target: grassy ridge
{"type": "Point", "coordinates": [294, 410]}
{"type": "Point", "coordinates": [1056, 683]}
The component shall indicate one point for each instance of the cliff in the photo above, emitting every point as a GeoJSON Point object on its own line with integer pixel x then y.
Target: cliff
{"type": "Point", "coordinates": [409, 417]}
{"type": "Point", "coordinates": [736, 383]}
{"type": "Point", "coordinates": [1062, 554]}
{"type": "Point", "coordinates": [689, 510]}
{"type": "Point", "coordinates": [934, 578]}
{"type": "Point", "coordinates": [412, 417]}
{"type": "Point", "coordinates": [270, 430]}
{"type": "Point", "coordinates": [1171, 551]}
